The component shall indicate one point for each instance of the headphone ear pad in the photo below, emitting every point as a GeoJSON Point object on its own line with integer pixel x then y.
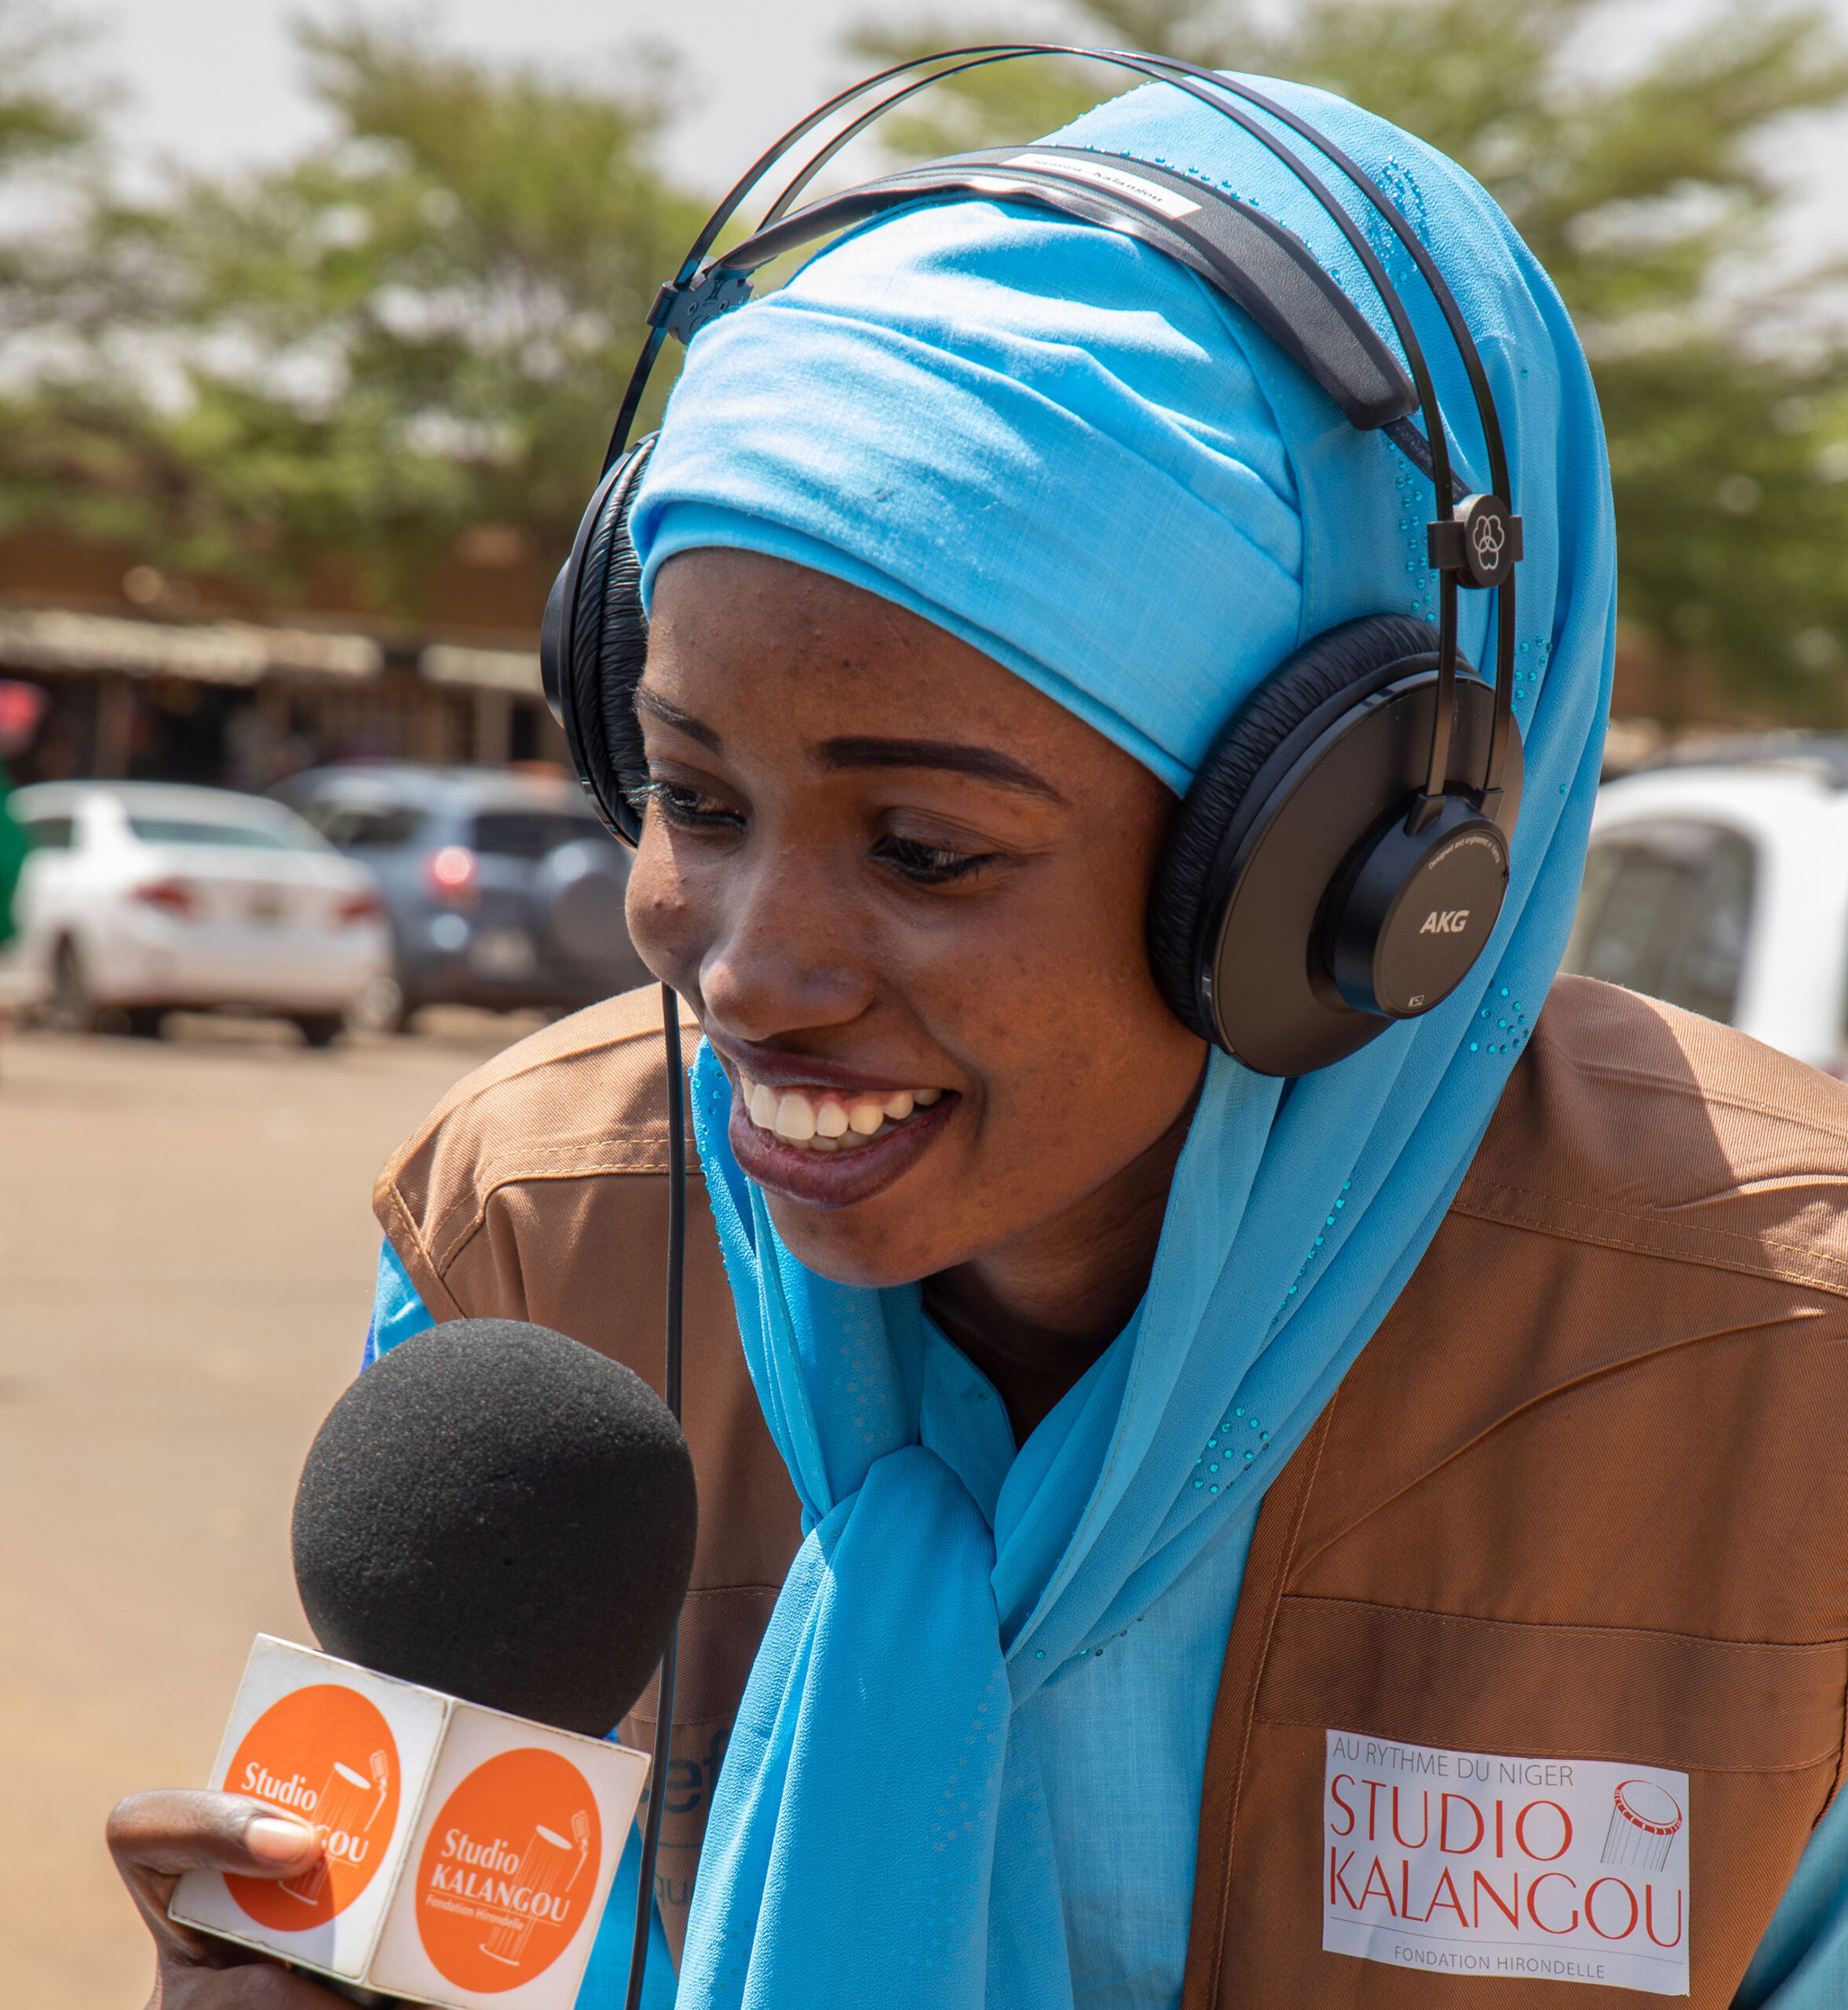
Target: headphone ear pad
{"type": "Point", "coordinates": [624, 652]}
{"type": "Point", "coordinates": [609, 645]}
{"type": "Point", "coordinates": [1321, 670]}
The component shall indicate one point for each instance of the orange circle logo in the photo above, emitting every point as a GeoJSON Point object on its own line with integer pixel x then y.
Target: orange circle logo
{"type": "Point", "coordinates": [326, 1754]}
{"type": "Point", "coordinates": [509, 1869]}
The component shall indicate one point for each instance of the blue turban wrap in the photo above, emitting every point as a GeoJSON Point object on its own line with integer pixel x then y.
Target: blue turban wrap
{"type": "Point", "coordinates": [1068, 449]}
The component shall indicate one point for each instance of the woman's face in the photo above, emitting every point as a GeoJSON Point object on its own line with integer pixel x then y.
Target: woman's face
{"type": "Point", "coordinates": [904, 893]}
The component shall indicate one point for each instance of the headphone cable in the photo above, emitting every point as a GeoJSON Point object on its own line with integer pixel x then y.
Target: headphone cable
{"type": "Point", "coordinates": [677, 1251]}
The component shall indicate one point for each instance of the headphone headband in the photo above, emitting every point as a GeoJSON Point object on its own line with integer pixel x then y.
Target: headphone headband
{"type": "Point", "coordinates": [1471, 540]}
{"type": "Point", "coordinates": [1266, 268]}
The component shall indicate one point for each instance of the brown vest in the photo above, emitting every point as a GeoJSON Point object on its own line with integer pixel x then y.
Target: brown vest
{"type": "Point", "coordinates": [1581, 1496]}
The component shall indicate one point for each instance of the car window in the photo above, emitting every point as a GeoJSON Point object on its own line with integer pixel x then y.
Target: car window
{"type": "Point", "coordinates": [351, 825]}
{"type": "Point", "coordinates": [51, 833]}
{"type": "Point", "coordinates": [1666, 910]}
{"type": "Point", "coordinates": [196, 831]}
{"type": "Point", "coordinates": [531, 833]}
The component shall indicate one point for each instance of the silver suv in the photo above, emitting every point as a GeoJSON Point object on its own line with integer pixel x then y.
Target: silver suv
{"type": "Point", "coordinates": [502, 888]}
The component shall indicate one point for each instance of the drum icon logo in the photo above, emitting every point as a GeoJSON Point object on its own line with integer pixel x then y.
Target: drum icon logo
{"type": "Point", "coordinates": [1644, 1821]}
{"type": "Point", "coordinates": [326, 1753]}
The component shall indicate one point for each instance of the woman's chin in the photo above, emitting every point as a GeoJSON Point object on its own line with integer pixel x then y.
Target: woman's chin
{"type": "Point", "coordinates": [876, 1248]}
{"type": "Point", "coordinates": [867, 1261]}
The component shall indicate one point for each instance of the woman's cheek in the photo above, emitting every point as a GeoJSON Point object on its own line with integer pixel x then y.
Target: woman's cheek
{"type": "Point", "coordinates": [661, 918]}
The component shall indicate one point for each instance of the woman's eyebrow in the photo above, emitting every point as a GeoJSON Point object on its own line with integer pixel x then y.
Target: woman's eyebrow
{"type": "Point", "coordinates": [984, 762]}
{"type": "Point", "coordinates": [672, 715]}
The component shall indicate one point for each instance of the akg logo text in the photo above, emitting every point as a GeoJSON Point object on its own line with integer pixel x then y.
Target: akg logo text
{"type": "Point", "coordinates": [1452, 921]}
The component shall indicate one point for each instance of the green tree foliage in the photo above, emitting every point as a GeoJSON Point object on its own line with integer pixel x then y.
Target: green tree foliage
{"type": "Point", "coordinates": [1647, 196]}
{"type": "Point", "coordinates": [417, 328]}
{"type": "Point", "coordinates": [49, 147]}
{"type": "Point", "coordinates": [41, 114]}
{"type": "Point", "coordinates": [47, 120]}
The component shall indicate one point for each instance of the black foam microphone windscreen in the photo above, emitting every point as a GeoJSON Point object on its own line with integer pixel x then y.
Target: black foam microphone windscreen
{"type": "Point", "coordinates": [494, 1511]}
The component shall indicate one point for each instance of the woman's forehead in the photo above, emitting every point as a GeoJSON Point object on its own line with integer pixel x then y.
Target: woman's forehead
{"type": "Point", "coordinates": [750, 651]}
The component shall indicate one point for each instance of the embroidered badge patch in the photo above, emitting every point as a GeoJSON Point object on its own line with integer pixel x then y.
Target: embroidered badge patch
{"type": "Point", "coordinates": [1476, 1863]}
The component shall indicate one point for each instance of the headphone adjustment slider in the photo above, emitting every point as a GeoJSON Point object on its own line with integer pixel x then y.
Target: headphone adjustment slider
{"type": "Point", "coordinates": [1481, 541]}
{"type": "Point", "coordinates": [683, 311]}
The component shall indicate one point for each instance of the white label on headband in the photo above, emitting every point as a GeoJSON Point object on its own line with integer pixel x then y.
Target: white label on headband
{"type": "Point", "coordinates": [1164, 199]}
{"type": "Point", "coordinates": [1470, 1863]}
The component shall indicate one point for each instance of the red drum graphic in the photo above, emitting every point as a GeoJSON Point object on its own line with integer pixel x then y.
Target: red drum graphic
{"type": "Point", "coordinates": [1645, 1822]}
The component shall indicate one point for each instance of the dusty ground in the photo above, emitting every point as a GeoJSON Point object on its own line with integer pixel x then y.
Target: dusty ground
{"type": "Point", "coordinates": [186, 1260]}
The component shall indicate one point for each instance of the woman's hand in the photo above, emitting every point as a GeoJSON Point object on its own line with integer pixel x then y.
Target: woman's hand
{"type": "Point", "coordinates": [153, 1838]}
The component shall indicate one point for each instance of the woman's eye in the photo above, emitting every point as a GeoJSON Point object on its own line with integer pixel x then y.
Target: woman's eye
{"type": "Point", "coordinates": [929, 866]}
{"type": "Point", "coordinates": [691, 808]}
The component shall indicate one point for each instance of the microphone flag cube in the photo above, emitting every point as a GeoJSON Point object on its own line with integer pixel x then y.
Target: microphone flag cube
{"type": "Point", "coordinates": [466, 1854]}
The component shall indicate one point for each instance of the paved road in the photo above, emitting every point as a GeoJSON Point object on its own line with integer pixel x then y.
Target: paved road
{"type": "Point", "coordinates": [186, 1257]}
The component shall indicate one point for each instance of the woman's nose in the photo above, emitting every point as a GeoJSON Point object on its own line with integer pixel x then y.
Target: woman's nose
{"type": "Point", "coordinates": [785, 955]}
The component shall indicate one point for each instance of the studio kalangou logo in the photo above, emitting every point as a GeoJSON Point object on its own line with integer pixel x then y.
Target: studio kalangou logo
{"type": "Point", "coordinates": [1485, 1864]}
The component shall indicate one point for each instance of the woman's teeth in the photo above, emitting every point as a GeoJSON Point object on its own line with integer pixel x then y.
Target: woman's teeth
{"type": "Point", "coordinates": [822, 1120]}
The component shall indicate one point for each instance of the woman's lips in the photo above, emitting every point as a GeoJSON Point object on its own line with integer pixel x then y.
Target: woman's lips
{"type": "Point", "coordinates": [830, 1148]}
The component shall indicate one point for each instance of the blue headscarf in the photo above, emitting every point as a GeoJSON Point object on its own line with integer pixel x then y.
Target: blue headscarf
{"type": "Point", "coordinates": [1064, 448]}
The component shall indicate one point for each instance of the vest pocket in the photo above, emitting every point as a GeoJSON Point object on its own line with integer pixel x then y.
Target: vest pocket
{"type": "Point", "coordinates": [1756, 1729]}
{"type": "Point", "coordinates": [1584, 1692]}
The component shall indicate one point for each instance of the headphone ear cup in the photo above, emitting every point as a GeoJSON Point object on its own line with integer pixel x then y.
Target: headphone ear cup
{"type": "Point", "coordinates": [1180, 915]}
{"type": "Point", "coordinates": [622, 653]}
{"type": "Point", "coordinates": [604, 650]}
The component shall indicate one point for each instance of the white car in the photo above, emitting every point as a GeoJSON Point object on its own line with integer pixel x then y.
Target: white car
{"type": "Point", "coordinates": [142, 897]}
{"type": "Point", "coordinates": [1721, 884]}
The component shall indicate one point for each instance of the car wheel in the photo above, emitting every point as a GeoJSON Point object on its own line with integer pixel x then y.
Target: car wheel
{"type": "Point", "coordinates": [383, 1007]}
{"type": "Point", "coordinates": [144, 1022]}
{"type": "Point", "coordinates": [73, 1004]}
{"type": "Point", "coordinates": [320, 1029]}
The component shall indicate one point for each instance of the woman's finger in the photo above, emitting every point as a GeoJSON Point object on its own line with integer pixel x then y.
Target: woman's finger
{"type": "Point", "coordinates": [156, 1837]}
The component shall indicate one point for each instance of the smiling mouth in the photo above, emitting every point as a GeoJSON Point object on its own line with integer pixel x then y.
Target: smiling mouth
{"type": "Point", "coordinates": [828, 1119]}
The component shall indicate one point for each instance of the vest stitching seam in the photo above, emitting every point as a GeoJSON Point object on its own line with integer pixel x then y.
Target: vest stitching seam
{"type": "Point", "coordinates": [1466, 1619]}
{"type": "Point", "coordinates": [1485, 1213]}
{"type": "Point", "coordinates": [469, 1092]}
{"type": "Point", "coordinates": [1673, 1085]}
{"type": "Point", "coordinates": [1648, 1215]}
{"type": "Point", "coordinates": [476, 1195]}
{"type": "Point", "coordinates": [469, 1089]}
{"type": "Point", "coordinates": [408, 1224]}
{"type": "Point", "coordinates": [1832, 1754]}
{"type": "Point", "coordinates": [650, 1155]}
{"type": "Point", "coordinates": [1841, 1761]}
{"type": "Point", "coordinates": [1616, 1754]}
{"type": "Point", "coordinates": [1529, 1404]}
{"type": "Point", "coordinates": [1299, 1512]}
{"type": "Point", "coordinates": [1836, 1286]}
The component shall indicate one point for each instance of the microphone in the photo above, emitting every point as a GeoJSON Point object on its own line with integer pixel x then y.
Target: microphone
{"type": "Point", "coordinates": [493, 1510]}
{"type": "Point", "coordinates": [492, 1538]}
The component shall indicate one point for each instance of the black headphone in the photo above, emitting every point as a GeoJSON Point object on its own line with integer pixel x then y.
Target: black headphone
{"type": "Point", "coordinates": [1342, 856]}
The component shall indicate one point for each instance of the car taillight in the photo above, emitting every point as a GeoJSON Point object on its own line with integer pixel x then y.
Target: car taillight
{"type": "Point", "coordinates": [454, 873]}
{"type": "Point", "coordinates": [179, 898]}
{"type": "Point", "coordinates": [363, 906]}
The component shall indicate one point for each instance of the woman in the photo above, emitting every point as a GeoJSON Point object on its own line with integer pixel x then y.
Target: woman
{"type": "Point", "coordinates": [1189, 1460]}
